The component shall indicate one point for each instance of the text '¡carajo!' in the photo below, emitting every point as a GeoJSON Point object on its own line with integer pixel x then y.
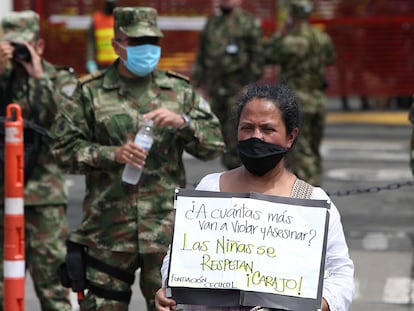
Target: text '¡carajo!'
{"type": "Point", "coordinates": [243, 220]}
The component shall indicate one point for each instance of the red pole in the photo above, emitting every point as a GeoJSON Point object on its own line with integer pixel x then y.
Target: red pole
{"type": "Point", "coordinates": [14, 241]}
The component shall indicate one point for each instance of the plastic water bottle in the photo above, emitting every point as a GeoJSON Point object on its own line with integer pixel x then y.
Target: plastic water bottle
{"type": "Point", "coordinates": [144, 138]}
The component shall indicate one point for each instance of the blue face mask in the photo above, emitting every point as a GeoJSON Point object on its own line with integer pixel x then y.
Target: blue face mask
{"type": "Point", "coordinates": [142, 59]}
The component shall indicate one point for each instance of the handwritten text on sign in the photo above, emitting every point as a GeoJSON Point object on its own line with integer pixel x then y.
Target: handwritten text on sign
{"type": "Point", "coordinates": [247, 244]}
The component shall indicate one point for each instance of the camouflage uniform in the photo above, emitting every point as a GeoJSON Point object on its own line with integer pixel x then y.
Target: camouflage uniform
{"type": "Point", "coordinates": [303, 54]}
{"type": "Point", "coordinates": [228, 58]}
{"type": "Point", "coordinates": [129, 226]}
{"type": "Point", "coordinates": [411, 118]}
{"type": "Point", "coordinates": [45, 196]}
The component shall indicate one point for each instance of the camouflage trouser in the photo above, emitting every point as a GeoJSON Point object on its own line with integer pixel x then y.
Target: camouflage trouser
{"type": "Point", "coordinates": [46, 232]}
{"type": "Point", "coordinates": [150, 279]}
{"type": "Point", "coordinates": [305, 160]}
{"type": "Point", "coordinates": [224, 107]}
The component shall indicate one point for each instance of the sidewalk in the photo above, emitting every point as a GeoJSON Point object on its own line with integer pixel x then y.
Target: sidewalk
{"type": "Point", "coordinates": [385, 116]}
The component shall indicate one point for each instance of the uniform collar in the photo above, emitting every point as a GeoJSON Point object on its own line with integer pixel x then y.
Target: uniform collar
{"type": "Point", "coordinates": [112, 79]}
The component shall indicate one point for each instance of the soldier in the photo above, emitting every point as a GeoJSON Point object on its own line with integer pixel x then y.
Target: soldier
{"type": "Point", "coordinates": [228, 58]}
{"type": "Point", "coordinates": [126, 227]}
{"type": "Point", "coordinates": [37, 86]}
{"type": "Point", "coordinates": [303, 52]}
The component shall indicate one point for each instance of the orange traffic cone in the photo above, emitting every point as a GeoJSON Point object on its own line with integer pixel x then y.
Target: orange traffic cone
{"type": "Point", "coordinates": [14, 240]}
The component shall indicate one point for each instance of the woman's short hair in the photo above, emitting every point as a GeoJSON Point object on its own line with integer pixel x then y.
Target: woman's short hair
{"type": "Point", "coordinates": [280, 95]}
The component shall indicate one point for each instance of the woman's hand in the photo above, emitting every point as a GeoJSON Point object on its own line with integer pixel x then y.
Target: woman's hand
{"type": "Point", "coordinates": [162, 303]}
{"type": "Point", "coordinates": [325, 306]}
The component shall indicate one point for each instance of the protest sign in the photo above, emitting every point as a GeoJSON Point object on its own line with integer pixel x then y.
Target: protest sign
{"type": "Point", "coordinates": [248, 249]}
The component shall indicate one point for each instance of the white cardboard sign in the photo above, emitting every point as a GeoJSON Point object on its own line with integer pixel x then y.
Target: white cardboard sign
{"type": "Point", "coordinates": [248, 243]}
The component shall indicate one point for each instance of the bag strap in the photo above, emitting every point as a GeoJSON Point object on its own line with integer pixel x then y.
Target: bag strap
{"type": "Point", "coordinates": [301, 189]}
{"type": "Point", "coordinates": [36, 99]}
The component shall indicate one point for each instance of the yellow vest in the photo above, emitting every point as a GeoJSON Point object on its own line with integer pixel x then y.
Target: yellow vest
{"type": "Point", "coordinates": [104, 32]}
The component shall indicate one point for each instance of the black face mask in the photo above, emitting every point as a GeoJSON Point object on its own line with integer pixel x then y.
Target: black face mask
{"type": "Point", "coordinates": [258, 156]}
{"type": "Point", "coordinates": [225, 10]}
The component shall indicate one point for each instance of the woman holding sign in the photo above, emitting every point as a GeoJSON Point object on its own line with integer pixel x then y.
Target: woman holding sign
{"type": "Point", "coordinates": [268, 126]}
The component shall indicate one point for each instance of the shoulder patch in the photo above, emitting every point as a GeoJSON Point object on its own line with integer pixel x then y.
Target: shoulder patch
{"type": "Point", "coordinates": [68, 88]}
{"type": "Point", "coordinates": [177, 75]}
{"type": "Point", "coordinates": [90, 77]}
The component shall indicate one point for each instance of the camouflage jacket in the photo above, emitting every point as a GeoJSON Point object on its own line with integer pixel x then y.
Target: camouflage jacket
{"type": "Point", "coordinates": [302, 55]}
{"type": "Point", "coordinates": [106, 112]}
{"type": "Point", "coordinates": [46, 185]}
{"type": "Point", "coordinates": [229, 54]}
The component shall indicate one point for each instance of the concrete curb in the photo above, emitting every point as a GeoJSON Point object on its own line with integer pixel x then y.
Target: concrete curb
{"type": "Point", "coordinates": [369, 117]}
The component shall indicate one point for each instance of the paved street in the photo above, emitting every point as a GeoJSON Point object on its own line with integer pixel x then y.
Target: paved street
{"type": "Point", "coordinates": [378, 225]}
{"type": "Point", "coordinates": [359, 161]}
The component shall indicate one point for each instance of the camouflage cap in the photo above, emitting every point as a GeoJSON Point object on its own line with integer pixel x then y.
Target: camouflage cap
{"type": "Point", "coordinates": [137, 21]}
{"type": "Point", "coordinates": [300, 8]}
{"type": "Point", "coordinates": [20, 26]}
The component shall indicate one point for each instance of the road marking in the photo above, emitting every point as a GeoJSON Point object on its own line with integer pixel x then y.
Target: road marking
{"type": "Point", "coordinates": [370, 174]}
{"type": "Point", "coordinates": [397, 290]}
{"type": "Point", "coordinates": [364, 150]}
{"type": "Point", "coordinates": [394, 118]}
{"type": "Point", "coordinates": [375, 241]}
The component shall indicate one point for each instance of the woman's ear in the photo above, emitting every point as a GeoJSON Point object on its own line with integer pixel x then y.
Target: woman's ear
{"type": "Point", "coordinates": [292, 137]}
